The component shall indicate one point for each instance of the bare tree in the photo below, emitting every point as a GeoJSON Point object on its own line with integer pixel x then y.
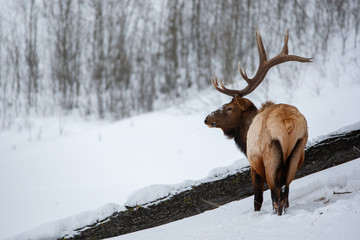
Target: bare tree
{"type": "Point", "coordinates": [64, 24]}
{"type": "Point", "coordinates": [31, 52]}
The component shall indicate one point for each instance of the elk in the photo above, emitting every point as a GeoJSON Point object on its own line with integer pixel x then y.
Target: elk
{"type": "Point", "coordinates": [273, 137]}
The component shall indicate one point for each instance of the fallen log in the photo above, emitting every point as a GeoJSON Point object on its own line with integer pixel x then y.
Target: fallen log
{"type": "Point", "coordinates": [333, 150]}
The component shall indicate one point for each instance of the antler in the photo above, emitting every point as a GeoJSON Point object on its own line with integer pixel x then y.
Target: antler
{"type": "Point", "coordinates": [264, 67]}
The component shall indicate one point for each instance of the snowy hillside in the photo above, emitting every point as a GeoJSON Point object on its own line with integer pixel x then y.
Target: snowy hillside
{"type": "Point", "coordinates": [46, 176]}
{"type": "Point", "coordinates": [64, 167]}
{"type": "Point", "coordinates": [325, 205]}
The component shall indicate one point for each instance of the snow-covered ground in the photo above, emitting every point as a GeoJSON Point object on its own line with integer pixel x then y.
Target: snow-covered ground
{"type": "Point", "coordinates": [55, 176]}
{"type": "Point", "coordinates": [324, 205]}
{"type": "Point", "coordinates": [77, 171]}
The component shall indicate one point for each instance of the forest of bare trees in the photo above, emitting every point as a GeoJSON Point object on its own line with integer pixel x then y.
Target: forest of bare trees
{"type": "Point", "coordinates": [116, 58]}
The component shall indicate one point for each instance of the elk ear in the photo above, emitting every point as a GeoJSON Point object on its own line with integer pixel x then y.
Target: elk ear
{"type": "Point", "coordinates": [243, 103]}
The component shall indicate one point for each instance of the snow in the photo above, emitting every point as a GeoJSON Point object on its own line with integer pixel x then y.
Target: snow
{"type": "Point", "coordinates": [54, 172]}
{"type": "Point", "coordinates": [65, 226]}
{"type": "Point", "coordinates": [324, 205]}
{"type": "Point", "coordinates": [54, 177]}
{"type": "Point", "coordinates": [154, 193]}
{"type": "Point", "coordinates": [348, 128]}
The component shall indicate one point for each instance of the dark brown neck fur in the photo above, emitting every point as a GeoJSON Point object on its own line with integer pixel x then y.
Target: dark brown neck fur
{"type": "Point", "coordinates": [239, 133]}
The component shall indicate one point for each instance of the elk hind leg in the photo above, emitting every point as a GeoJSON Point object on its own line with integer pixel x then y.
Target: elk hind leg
{"type": "Point", "coordinates": [276, 176]}
{"type": "Point", "coordinates": [258, 184]}
{"type": "Point", "coordinates": [293, 163]}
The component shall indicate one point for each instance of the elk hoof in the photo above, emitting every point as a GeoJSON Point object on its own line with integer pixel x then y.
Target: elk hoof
{"type": "Point", "coordinates": [278, 209]}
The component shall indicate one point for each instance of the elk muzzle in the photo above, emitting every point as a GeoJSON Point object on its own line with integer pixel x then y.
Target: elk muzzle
{"type": "Point", "coordinates": [209, 122]}
{"type": "Point", "coordinates": [212, 120]}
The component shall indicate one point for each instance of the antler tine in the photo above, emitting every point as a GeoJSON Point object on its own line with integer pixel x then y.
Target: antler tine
{"type": "Point", "coordinates": [261, 49]}
{"type": "Point", "coordinates": [223, 89]}
{"type": "Point", "coordinates": [285, 49]}
{"type": "Point", "coordinates": [285, 53]}
{"type": "Point", "coordinates": [214, 82]}
{"type": "Point", "coordinates": [243, 74]}
{"type": "Point", "coordinates": [231, 92]}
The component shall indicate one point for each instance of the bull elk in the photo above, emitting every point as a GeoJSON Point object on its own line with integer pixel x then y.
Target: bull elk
{"type": "Point", "coordinates": [273, 138]}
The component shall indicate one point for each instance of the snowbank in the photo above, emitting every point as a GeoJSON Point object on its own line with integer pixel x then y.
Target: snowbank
{"type": "Point", "coordinates": [62, 227]}
{"type": "Point", "coordinates": [152, 194]}
{"type": "Point", "coordinates": [324, 205]}
{"type": "Point", "coordinates": [348, 128]}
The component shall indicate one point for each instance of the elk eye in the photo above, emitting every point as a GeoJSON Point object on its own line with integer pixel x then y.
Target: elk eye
{"type": "Point", "coordinates": [229, 109]}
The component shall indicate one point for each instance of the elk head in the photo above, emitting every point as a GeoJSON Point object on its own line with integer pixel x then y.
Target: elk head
{"type": "Point", "coordinates": [235, 117]}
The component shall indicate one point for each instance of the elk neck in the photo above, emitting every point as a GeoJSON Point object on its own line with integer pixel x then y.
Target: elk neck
{"type": "Point", "coordinates": [239, 133]}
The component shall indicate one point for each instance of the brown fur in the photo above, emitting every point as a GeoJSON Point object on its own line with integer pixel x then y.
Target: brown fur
{"type": "Point", "coordinates": [273, 139]}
